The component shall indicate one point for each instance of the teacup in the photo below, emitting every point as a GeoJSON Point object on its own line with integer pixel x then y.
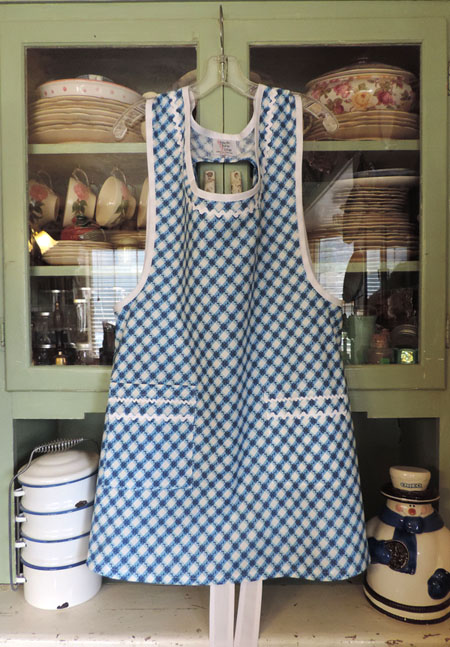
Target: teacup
{"type": "Point", "coordinates": [43, 201]}
{"type": "Point", "coordinates": [142, 207]}
{"type": "Point", "coordinates": [115, 202]}
{"type": "Point", "coordinates": [80, 199]}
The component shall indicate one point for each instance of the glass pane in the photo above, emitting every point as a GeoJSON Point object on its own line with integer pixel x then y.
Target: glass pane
{"type": "Point", "coordinates": [87, 191]}
{"type": "Point", "coordinates": [361, 186]}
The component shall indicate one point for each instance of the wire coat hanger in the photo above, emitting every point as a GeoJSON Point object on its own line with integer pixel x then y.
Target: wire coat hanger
{"type": "Point", "coordinates": [223, 71]}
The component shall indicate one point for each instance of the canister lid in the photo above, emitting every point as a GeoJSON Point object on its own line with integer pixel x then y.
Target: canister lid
{"type": "Point", "coordinates": [60, 467]}
{"type": "Point", "coordinates": [410, 485]}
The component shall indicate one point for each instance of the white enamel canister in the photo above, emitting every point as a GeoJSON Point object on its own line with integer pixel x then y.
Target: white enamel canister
{"type": "Point", "coordinates": [56, 505]}
{"type": "Point", "coordinates": [60, 481]}
{"type": "Point", "coordinates": [59, 588]}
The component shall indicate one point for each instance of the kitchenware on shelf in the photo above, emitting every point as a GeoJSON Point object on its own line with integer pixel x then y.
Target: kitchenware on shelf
{"type": "Point", "coordinates": [380, 351]}
{"type": "Point", "coordinates": [80, 252]}
{"type": "Point", "coordinates": [408, 577]}
{"type": "Point", "coordinates": [360, 328]}
{"type": "Point", "coordinates": [126, 238]}
{"type": "Point", "coordinates": [59, 482]}
{"type": "Point", "coordinates": [43, 202]}
{"type": "Point", "coordinates": [52, 525]}
{"type": "Point", "coordinates": [142, 207]}
{"type": "Point", "coordinates": [77, 119]}
{"type": "Point", "coordinates": [80, 199]}
{"type": "Point", "coordinates": [87, 87]}
{"type": "Point", "coordinates": [51, 554]}
{"type": "Point", "coordinates": [365, 86]}
{"type": "Point", "coordinates": [61, 587]}
{"type": "Point", "coordinates": [115, 202]}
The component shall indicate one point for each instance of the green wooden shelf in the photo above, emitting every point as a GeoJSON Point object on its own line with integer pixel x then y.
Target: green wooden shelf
{"type": "Point", "coordinates": [83, 270]}
{"type": "Point", "coordinates": [93, 148]}
{"type": "Point", "coordinates": [362, 145]}
{"type": "Point", "coordinates": [133, 148]}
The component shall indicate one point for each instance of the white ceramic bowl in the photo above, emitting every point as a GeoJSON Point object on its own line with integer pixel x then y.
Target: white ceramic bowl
{"type": "Point", "coordinates": [52, 554]}
{"type": "Point", "coordinates": [87, 88]}
{"type": "Point", "coordinates": [57, 525]}
{"type": "Point", "coordinates": [60, 481]}
{"type": "Point", "coordinates": [59, 588]}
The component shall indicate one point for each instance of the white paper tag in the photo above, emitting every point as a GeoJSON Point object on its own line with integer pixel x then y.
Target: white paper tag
{"type": "Point", "coordinates": [225, 147]}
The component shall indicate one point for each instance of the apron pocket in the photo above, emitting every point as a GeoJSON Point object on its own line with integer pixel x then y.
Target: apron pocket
{"type": "Point", "coordinates": [149, 436]}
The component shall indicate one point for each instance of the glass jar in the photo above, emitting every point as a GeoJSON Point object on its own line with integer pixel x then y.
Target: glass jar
{"type": "Point", "coordinates": [84, 356]}
{"type": "Point", "coordinates": [43, 355]}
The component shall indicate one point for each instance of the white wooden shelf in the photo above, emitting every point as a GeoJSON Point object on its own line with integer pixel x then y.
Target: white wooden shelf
{"type": "Point", "coordinates": [293, 614]}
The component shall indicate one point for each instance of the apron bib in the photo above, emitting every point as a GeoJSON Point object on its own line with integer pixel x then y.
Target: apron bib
{"type": "Point", "coordinates": [228, 451]}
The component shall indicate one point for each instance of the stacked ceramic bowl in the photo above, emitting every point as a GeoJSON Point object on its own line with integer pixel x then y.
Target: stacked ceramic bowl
{"type": "Point", "coordinates": [83, 109]}
{"type": "Point", "coordinates": [57, 497]}
{"type": "Point", "coordinates": [371, 101]}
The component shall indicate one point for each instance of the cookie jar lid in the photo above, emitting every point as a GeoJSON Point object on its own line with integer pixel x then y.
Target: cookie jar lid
{"type": "Point", "coordinates": [410, 485]}
{"type": "Point", "coordinates": [60, 467]}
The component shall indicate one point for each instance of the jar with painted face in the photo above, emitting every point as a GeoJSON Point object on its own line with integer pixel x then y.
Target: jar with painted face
{"type": "Point", "coordinates": [408, 577]}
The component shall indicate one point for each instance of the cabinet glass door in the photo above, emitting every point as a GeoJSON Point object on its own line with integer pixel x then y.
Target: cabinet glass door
{"type": "Point", "coordinates": [75, 175]}
{"type": "Point", "coordinates": [88, 204]}
{"type": "Point", "coordinates": [370, 209]}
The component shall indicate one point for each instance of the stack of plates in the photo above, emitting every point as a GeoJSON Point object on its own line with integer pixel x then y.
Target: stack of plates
{"type": "Point", "coordinates": [371, 212]}
{"type": "Point", "coordinates": [374, 212]}
{"type": "Point", "coordinates": [79, 252]}
{"type": "Point", "coordinates": [77, 119]}
{"type": "Point", "coordinates": [123, 238]}
{"type": "Point", "coordinates": [375, 124]}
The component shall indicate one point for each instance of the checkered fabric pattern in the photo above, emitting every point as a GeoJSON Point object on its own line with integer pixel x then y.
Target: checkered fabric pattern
{"type": "Point", "coordinates": [228, 451]}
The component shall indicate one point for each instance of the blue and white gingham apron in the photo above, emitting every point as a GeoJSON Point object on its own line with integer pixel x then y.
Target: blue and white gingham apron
{"type": "Point", "coordinates": [228, 451]}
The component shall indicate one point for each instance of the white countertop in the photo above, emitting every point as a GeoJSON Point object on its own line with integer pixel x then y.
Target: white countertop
{"type": "Point", "coordinates": [293, 615]}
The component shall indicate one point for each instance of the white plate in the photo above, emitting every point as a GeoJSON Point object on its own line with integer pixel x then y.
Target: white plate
{"type": "Point", "coordinates": [58, 136]}
{"type": "Point", "coordinates": [392, 180]}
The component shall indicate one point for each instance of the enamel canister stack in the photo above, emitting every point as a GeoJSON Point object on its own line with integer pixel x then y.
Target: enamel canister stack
{"type": "Point", "coordinates": [56, 503]}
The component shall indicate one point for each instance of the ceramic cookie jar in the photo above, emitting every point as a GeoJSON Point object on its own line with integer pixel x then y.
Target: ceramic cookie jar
{"type": "Point", "coordinates": [409, 572]}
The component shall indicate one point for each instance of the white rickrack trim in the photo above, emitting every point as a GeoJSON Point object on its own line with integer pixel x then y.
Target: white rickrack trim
{"type": "Point", "coordinates": [119, 399]}
{"type": "Point", "coordinates": [305, 399]}
{"type": "Point", "coordinates": [270, 115]}
{"type": "Point", "coordinates": [177, 120]}
{"type": "Point", "coordinates": [216, 211]}
{"type": "Point", "coordinates": [311, 415]}
{"type": "Point", "coordinates": [151, 418]}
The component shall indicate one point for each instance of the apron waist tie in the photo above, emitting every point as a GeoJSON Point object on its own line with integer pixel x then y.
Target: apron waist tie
{"type": "Point", "coordinates": [221, 614]}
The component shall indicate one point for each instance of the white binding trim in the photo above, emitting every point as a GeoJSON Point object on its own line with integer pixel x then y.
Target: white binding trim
{"type": "Point", "coordinates": [212, 134]}
{"type": "Point", "coordinates": [151, 418]}
{"type": "Point", "coordinates": [302, 234]}
{"type": "Point", "coordinates": [151, 212]}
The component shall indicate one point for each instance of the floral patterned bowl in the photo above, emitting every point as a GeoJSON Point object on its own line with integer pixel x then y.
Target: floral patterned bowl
{"type": "Point", "coordinates": [366, 87]}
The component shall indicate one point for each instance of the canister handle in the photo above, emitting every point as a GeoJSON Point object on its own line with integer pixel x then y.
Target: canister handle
{"type": "Point", "coordinates": [15, 577]}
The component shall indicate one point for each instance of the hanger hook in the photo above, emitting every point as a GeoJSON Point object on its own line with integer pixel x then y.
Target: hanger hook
{"type": "Point", "coordinates": [222, 46]}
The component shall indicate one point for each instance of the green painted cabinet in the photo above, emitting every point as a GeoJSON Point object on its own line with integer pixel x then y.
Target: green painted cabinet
{"type": "Point", "coordinates": [148, 46]}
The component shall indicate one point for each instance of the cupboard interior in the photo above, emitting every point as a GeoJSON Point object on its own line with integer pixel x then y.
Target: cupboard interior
{"type": "Point", "coordinates": [382, 275]}
{"type": "Point", "coordinates": [380, 444]}
{"type": "Point", "coordinates": [143, 69]}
